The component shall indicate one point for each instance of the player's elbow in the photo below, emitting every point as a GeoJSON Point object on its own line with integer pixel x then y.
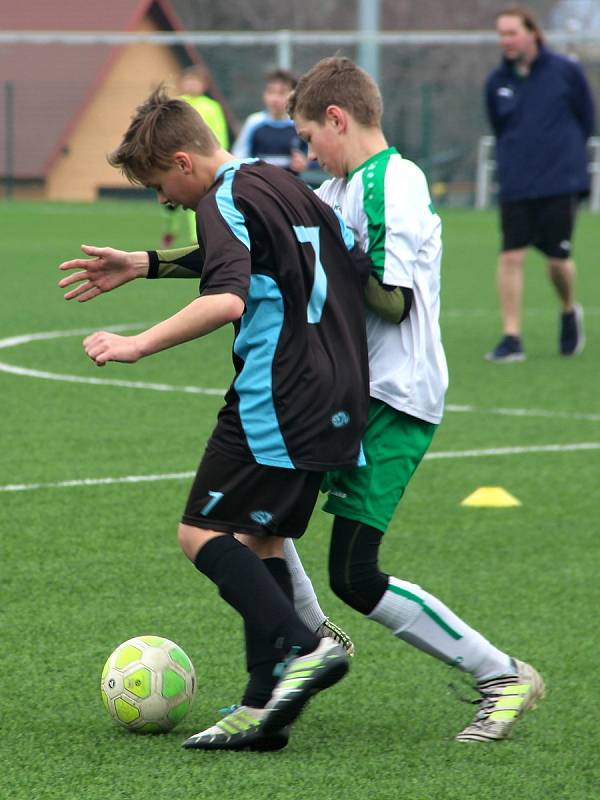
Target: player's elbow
{"type": "Point", "coordinates": [234, 307]}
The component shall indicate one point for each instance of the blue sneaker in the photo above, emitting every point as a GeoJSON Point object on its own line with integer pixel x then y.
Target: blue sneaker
{"type": "Point", "coordinates": [509, 348]}
{"type": "Point", "coordinates": [572, 338]}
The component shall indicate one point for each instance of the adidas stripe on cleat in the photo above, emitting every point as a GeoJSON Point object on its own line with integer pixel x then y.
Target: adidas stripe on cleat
{"type": "Point", "coordinates": [301, 678]}
{"type": "Point", "coordinates": [503, 701]}
{"type": "Point", "coordinates": [240, 729]}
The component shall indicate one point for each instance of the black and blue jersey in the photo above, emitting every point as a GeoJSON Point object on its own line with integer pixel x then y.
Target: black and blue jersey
{"type": "Point", "coordinates": [299, 398]}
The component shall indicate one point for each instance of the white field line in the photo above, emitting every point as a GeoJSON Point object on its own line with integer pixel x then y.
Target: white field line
{"type": "Point", "coordinates": [13, 369]}
{"type": "Point", "coordinates": [14, 341]}
{"type": "Point", "coordinates": [524, 412]}
{"type": "Point", "coordinates": [175, 476]}
{"type": "Point", "coordinates": [155, 387]}
{"type": "Point", "coordinates": [512, 451]}
{"type": "Point", "coordinates": [461, 313]}
{"type": "Point", "coordinates": [26, 487]}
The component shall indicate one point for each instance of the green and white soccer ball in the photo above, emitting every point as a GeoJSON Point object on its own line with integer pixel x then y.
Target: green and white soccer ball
{"type": "Point", "coordinates": [148, 684]}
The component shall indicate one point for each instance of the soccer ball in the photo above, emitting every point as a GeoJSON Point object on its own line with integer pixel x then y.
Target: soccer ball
{"type": "Point", "coordinates": [148, 684]}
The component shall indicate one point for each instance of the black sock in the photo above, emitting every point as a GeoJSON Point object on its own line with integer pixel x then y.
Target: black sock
{"type": "Point", "coordinates": [247, 585]}
{"type": "Point", "coordinates": [261, 657]}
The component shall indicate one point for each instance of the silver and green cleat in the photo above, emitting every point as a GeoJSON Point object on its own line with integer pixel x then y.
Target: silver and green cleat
{"type": "Point", "coordinates": [301, 678]}
{"type": "Point", "coordinates": [503, 702]}
{"type": "Point", "coordinates": [240, 729]}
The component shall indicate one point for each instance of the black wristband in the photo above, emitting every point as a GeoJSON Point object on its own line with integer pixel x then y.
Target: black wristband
{"type": "Point", "coordinates": [152, 264]}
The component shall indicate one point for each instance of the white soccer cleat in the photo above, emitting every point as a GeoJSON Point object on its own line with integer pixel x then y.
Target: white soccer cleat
{"type": "Point", "coordinates": [503, 701]}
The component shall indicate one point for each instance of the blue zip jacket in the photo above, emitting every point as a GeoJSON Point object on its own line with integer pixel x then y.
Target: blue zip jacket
{"type": "Point", "coordinates": [541, 123]}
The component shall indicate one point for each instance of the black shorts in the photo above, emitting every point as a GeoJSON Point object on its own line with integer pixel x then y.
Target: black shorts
{"type": "Point", "coordinates": [545, 223]}
{"type": "Point", "coordinates": [246, 497]}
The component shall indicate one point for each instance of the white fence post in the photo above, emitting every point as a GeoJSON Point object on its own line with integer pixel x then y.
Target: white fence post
{"type": "Point", "coordinates": [486, 165]}
{"type": "Point", "coordinates": [594, 168]}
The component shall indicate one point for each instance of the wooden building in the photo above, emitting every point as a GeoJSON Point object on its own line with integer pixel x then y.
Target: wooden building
{"type": "Point", "coordinates": [70, 103]}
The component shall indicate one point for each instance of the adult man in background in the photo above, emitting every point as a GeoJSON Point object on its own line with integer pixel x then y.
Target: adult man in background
{"type": "Point", "coordinates": [541, 110]}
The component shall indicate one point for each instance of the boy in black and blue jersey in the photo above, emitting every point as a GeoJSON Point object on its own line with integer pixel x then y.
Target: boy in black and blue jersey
{"type": "Point", "coordinates": [276, 262]}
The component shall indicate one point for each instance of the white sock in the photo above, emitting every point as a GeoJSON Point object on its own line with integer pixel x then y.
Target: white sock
{"type": "Point", "coordinates": [305, 600]}
{"type": "Point", "coordinates": [422, 620]}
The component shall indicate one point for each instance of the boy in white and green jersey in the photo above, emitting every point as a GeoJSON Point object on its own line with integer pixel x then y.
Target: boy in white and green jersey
{"type": "Point", "coordinates": [401, 233]}
{"type": "Point", "coordinates": [385, 201]}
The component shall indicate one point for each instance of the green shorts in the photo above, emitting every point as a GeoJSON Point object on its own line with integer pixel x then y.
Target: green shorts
{"type": "Point", "coordinates": [394, 444]}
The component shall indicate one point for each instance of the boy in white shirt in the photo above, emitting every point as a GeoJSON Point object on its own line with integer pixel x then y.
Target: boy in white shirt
{"type": "Point", "coordinates": [385, 201]}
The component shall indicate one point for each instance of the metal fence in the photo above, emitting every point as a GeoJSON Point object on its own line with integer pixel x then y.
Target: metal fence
{"type": "Point", "coordinates": [486, 166]}
{"type": "Point", "coordinates": [431, 84]}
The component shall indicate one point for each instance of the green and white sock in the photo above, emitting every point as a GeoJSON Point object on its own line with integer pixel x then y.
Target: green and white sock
{"type": "Point", "coordinates": [422, 620]}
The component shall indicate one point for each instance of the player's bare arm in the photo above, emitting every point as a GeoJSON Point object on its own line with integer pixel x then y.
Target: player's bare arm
{"type": "Point", "coordinates": [105, 270]}
{"type": "Point", "coordinates": [110, 268]}
{"type": "Point", "coordinates": [201, 316]}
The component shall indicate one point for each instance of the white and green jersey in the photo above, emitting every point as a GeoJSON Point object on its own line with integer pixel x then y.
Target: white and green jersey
{"type": "Point", "coordinates": [386, 204]}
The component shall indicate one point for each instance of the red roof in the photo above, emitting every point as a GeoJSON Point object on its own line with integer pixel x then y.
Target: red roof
{"type": "Point", "coordinates": [51, 83]}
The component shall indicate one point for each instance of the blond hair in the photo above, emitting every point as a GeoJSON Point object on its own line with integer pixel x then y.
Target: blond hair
{"type": "Point", "coordinates": [159, 128]}
{"type": "Point", "coordinates": [337, 81]}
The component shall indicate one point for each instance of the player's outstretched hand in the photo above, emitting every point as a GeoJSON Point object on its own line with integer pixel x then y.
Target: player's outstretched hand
{"type": "Point", "coordinates": [102, 347]}
{"type": "Point", "coordinates": [107, 269]}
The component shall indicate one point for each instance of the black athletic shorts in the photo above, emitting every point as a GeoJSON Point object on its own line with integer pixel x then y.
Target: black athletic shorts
{"type": "Point", "coordinates": [545, 223]}
{"type": "Point", "coordinates": [246, 497]}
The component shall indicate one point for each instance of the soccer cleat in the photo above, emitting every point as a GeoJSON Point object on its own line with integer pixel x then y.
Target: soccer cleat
{"type": "Point", "coordinates": [329, 628]}
{"type": "Point", "coordinates": [503, 701]}
{"type": "Point", "coordinates": [240, 729]}
{"type": "Point", "coordinates": [509, 348]}
{"type": "Point", "coordinates": [572, 337]}
{"type": "Point", "coordinates": [301, 678]}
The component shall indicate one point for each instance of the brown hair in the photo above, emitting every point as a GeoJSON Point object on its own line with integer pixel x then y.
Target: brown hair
{"type": "Point", "coordinates": [528, 19]}
{"type": "Point", "coordinates": [281, 76]}
{"type": "Point", "coordinates": [337, 81]}
{"type": "Point", "coordinates": [159, 128]}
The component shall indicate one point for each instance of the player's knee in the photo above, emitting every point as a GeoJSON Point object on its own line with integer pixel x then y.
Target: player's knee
{"type": "Point", "coordinates": [361, 587]}
{"type": "Point", "coordinates": [184, 539]}
{"type": "Point", "coordinates": [341, 586]}
{"type": "Point", "coordinates": [561, 266]}
{"type": "Point", "coordinates": [263, 546]}
{"type": "Point", "coordinates": [512, 259]}
{"type": "Point", "coordinates": [191, 539]}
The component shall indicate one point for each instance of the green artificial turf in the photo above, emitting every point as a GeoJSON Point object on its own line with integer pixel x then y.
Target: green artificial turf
{"type": "Point", "coordinates": [86, 567]}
